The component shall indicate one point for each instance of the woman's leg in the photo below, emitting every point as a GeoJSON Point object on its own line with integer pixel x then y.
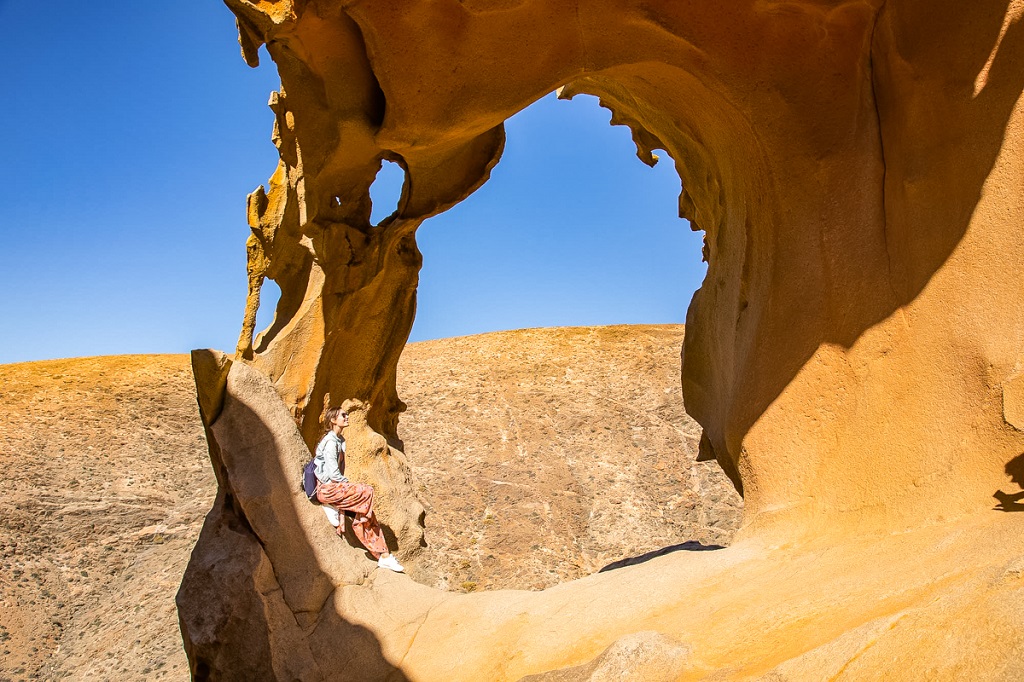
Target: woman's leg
{"type": "Point", "coordinates": [358, 498]}
{"type": "Point", "coordinates": [368, 530]}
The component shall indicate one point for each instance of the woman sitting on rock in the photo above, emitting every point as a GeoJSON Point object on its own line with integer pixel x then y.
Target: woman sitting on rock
{"type": "Point", "coordinates": [338, 494]}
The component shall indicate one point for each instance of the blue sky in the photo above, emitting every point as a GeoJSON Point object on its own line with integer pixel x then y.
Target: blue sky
{"type": "Point", "coordinates": [134, 130]}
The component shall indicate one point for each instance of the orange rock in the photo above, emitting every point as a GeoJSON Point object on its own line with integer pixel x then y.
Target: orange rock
{"type": "Point", "coordinates": [855, 167]}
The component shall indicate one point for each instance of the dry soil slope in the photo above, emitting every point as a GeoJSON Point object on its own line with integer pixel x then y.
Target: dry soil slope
{"type": "Point", "coordinates": [106, 482]}
{"type": "Point", "coordinates": [542, 455]}
{"type": "Point", "coordinates": [547, 454]}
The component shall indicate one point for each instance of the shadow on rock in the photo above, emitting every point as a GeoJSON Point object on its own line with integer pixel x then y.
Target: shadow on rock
{"type": "Point", "coordinates": [1011, 502]}
{"type": "Point", "coordinates": [688, 546]}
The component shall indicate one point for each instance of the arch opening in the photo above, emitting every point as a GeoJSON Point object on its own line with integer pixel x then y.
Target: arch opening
{"type": "Point", "coordinates": [563, 444]}
{"type": "Point", "coordinates": [270, 296]}
{"type": "Point", "coordinates": [568, 230]}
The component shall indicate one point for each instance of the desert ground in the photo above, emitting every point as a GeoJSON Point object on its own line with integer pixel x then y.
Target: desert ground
{"type": "Point", "coordinates": [541, 455]}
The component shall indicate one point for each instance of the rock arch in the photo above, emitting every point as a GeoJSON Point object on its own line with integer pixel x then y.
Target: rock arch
{"type": "Point", "coordinates": [855, 166]}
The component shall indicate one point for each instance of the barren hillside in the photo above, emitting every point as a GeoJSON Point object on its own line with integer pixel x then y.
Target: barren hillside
{"type": "Point", "coordinates": [547, 454]}
{"type": "Point", "coordinates": [105, 488]}
{"type": "Point", "coordinates": [542, 455]}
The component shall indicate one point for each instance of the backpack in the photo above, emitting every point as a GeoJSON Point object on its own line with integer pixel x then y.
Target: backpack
{"type": "Point", "coordinates": [309, 481]}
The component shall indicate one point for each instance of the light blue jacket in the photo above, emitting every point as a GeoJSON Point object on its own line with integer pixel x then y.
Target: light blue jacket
{"type": "Point", "coordinates": [329, 463]}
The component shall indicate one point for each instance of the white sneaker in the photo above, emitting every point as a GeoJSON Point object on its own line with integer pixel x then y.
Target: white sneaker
{"type": "Point", "coordinates": [390, 563]}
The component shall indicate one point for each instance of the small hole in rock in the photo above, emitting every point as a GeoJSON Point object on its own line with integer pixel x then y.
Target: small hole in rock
{"type": "Point", "coordinates": [386, 191]}
{"type": "Point", "coordinates": [270, 294]}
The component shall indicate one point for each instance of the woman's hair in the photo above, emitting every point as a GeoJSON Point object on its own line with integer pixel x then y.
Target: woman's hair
{"type": "Point", "coordinates": [329, 417]}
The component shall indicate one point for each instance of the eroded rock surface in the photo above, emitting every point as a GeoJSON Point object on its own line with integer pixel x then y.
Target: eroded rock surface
{"type": "Point", "coordinates": [856, 169]}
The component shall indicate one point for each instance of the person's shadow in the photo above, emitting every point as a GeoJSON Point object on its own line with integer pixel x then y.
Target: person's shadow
{"type": "Point", "coordinates": [1010, 502]}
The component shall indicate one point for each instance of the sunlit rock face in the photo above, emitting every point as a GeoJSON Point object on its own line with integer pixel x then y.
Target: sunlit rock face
{"type": "Point", "coordinates": [855, 167]}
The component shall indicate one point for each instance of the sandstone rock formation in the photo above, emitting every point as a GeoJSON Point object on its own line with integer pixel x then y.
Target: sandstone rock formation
{"type": "Point", "coordinates": [854, 353]}
{"type": "Point", "coordinates": [270, 592]}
